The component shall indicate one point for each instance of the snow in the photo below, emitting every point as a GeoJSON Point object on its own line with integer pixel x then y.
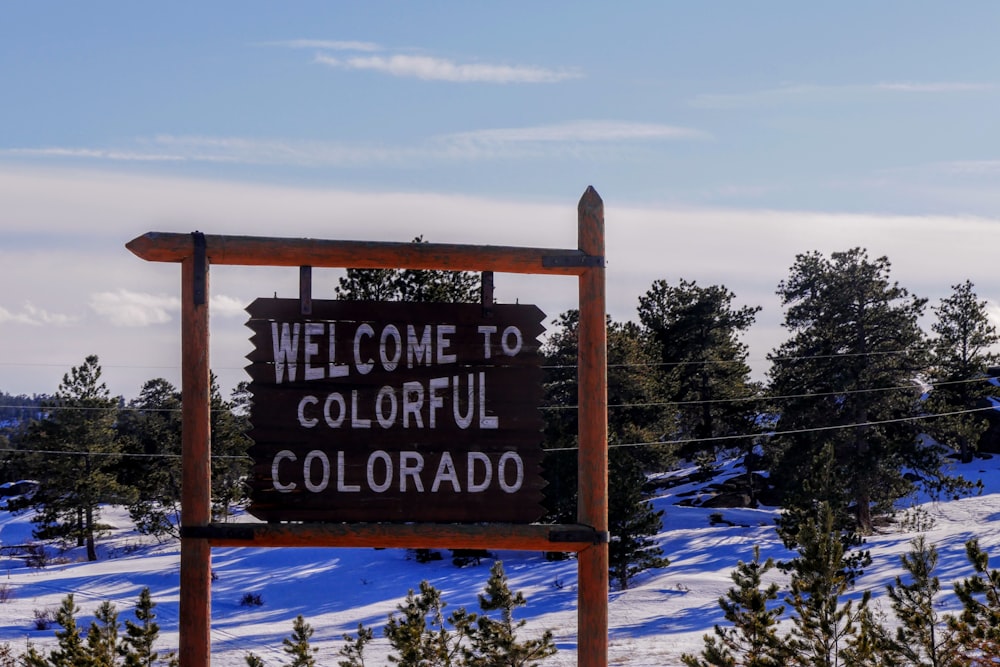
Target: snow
{"type": "Point", "coordinates": [664, 614]}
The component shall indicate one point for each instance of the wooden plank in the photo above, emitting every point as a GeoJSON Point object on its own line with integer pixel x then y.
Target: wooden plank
{"type": "Point", "coordinates": [516, 537]}
{"type": "Point", "coordinates": [265, 251]}
{"type": "Point", "coordinates": [196, 471]}
{"type": "Point", "coordinates": [592, 563]}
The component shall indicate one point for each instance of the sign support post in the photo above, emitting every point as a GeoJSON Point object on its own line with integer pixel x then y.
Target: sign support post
{"type": "Point", "coordinates": [196, 466]}
{"type": "Point", "coordinates": [588, 537]}
{"type": "Point", "coordinates": [592, 507]}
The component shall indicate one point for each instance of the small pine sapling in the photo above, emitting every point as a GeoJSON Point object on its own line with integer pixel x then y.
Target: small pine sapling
{"type": "Point", "coordinates": [297, 646]}
{"type": "Point", "coordinates": [753, 639]}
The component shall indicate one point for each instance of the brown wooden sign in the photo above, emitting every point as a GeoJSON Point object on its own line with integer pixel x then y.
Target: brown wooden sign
{"type": "Point", "coordinates": [378, 411]}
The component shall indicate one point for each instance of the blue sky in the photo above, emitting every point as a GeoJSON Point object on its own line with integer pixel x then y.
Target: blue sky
{"type": "Point", "coordinates": [724, 138]}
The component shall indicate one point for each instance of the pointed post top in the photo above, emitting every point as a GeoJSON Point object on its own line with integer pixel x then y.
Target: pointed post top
{"type": "Point", "coordinates": [590, 222]}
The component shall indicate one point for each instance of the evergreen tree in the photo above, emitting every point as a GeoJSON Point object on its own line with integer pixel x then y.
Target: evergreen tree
{"type": "Point", "coordinates": [845, 381]}
{"type": "Point", "coordinates": [353, 650]}
{"type": "Point", "coordinates": [632, 521]}
{"type": "Point", "coordinates": [297, 646]}
{"type": "Point", "coordinates": [494, 642]}
{"type": "Point", "coordinates": [150, 429]}
{"type": "Point", "coordinates": [70, 651]}
{"type": "Point", "coordinates": [922, 639]}
{"type": "Point", "coordinates": [80, 452]}
{"type": "Point", "coordinates": [102, 637]}
{"type": "Point", "coordinates": [977, 627]}
{"type": "Point", "coordinates": [230, 442]}
{"type": "Point", "coordinates": [703, 366]}
{"type": "Point", "coordinates": [752, 640]}
{"type": "Point", "coordinates": [823, 624]}
{"type": "Point", "coordinates": [137, 644]}
{"type": "Point", "coordinates": [960, 357]}
{"type": "Point", "coordinates": [419, 285]}
{"type": "Point", "coordinates": [419, 636]}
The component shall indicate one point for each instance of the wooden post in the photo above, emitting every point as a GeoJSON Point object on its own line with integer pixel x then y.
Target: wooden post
{"type": "Point", "coordinates": [196, 471]}
{"type": "Point", "coordinates": [592, 508]}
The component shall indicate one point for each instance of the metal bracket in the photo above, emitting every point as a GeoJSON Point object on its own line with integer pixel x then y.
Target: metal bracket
{"type": "Point", "coordinates": [580, 535]}
{"type": "Point", "coordinates": [486, 292]}
{"type": "Point", "coordinates": [200, 268]}
{"type": "Point", "coordinates": [584, 261]}
{"type": "Point", "coordinates": [305, 290]}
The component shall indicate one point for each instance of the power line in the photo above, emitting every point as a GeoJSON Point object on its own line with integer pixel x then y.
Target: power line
{"type": "Point", "coordinates": [772, 434]}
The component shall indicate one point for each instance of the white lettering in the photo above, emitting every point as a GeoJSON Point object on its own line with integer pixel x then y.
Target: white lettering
{"type": "Point", "coordinates": [502, 472]}
{"type": "Point", "coordinates": [387, 481]}
{"type": "Point", "coordinates": [307, 471]}
{"type": "Point", "coordinates": [471, 485]}
{"type": "Point", "coordinates": [304, 421]}
{"type": "Point", "coordinates": [444, 342]}
{"type": "Point", "coordinates": [286, 350]}
{"type": "Point", "coordinates": [508, 349]}
{"type": "Point", "coordinates": [408, 470]}
{"type": "Point", "coordinates": [278, 486]}
{"type": "Point", "coordinates": [436, 400]}
{"type": "Point", "coordinates": [341, 486]}
{"type": "Point", "coordinates": [390, 363]}
{"type": "Point", "coordinates": [364, 330]}
{"type": "Point", "coordinates": [335, 370]}
{"type": "Point", "coordinates": [418, 351]}
{"type": "Point", "coordinates": [312, 349]}
{"type": "Point", "coordinates": [341, 410]}
{"type": "Point", "coordinates": [383, 420]}
{"type": "Point", "coordinates": [484, 421]}
{"type": "Point", "coordinates": [413, 403]}
{"type": "Point", "coordinates": [463, 421]}
{"type": "Point", "coordinates": [446, 473]}
{"type": "Point", "coordinates": [357, 422]}
{"type": "Point", "coordinates": [487, 330]}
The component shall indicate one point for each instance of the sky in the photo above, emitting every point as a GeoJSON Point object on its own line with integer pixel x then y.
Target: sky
{"type": "Point", "coordinates": [723, 138]}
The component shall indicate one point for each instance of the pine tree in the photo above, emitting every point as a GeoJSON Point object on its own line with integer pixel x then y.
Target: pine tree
{"type": "Point", "coordinates": [230, 442]}
{"type": "Point", "coordinates": [70, 651]}
{"type": "Point", "coordinates": [419, 636]}
{"type": "Point", "coordinates": [702, 363]}
{"type": "Point", "coordinates": [353, 650]}
{"type": "Point", "coordinates": [79, 425]}
{"type": "Point", "coordinates": [752, 640]}
{"type": "Point", "coordinates": [151, 431]}
{"type": "Point", "coordinates": [634, 416]}
{"type": "Point", "coordinates": [632, 521]}
{"type": "Point", "coordinates": [297, 646]}
{"type": "Point", "coordinates": [417, 285]}
{"type": "Point", "coordinates": [494, 642]}
{"type": "Point", "coordinates": [845, 381]}
{"type": "Point", "coordinates": [823, 623]}
{"type": "Point", "coordinates": [922, 639]}
{"type": "Point", "coordinates": [977, 627]}
{"type": "Point", "coordinates": [960, 356]}
{"type": "Point", "coordinates": [102, 637]}
{"type": "Point", "coordinates": [137, 644]}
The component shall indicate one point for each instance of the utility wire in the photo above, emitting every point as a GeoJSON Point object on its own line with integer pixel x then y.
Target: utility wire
{"type": "Point", "coordinates": [771, 434]}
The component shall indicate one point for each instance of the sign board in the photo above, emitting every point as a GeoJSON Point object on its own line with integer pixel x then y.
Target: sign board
{"type": "Point", "coordinates": [395, 412]}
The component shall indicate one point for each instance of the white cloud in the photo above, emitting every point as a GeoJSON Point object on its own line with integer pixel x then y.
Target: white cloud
{"type": "Point", "coordinates": [227, 306]}
{"type": "Point", "coordinates": [125, 308]}
{"type": "Point", "coordinates": [31, 315]}
{"type": "Point", "coordinates": [429, 68]}
{"type": "Point", "coordinates": [935, 87]}
{"type": "Point", "coordinates": [463, 145]}
{"type": "Point", "coordinates": [326, 44]}
{"type": "Point", "coordinates": [819, 92]}
{"type": "Point", "coordinates": [581, 131]}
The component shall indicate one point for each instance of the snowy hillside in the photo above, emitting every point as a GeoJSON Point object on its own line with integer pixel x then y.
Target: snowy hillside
{"type": "Point", "coordinates": [663, 615]}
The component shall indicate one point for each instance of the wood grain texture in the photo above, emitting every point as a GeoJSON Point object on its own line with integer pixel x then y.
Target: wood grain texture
{"type": "Point", "coordinates": [269, 251]}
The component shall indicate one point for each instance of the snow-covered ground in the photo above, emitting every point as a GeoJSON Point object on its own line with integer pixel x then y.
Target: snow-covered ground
{"type": "Point", "coordinates": [663, 615]}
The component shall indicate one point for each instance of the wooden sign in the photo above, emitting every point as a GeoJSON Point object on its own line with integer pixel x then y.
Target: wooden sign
{"type": "Point", "coordinates": [395, 412]}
